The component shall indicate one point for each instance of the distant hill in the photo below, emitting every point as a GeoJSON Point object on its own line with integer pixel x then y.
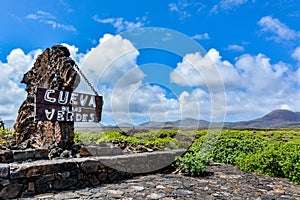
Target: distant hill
{"type": "Point", "coordinates": [189, 122]}
{"type": "Point", "coordinates": [186, 123]}
{"type": "Point", "coordinates": [280, 116]}
{"type": "Point", "coordinates": [154, 124]}
{"type": "Point", "coordinates": [275, 119]}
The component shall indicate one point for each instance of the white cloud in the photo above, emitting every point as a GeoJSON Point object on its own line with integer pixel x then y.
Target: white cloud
{"type": "Point", "coordinates": [296, 54]}
{"type": "Point", "coordinates": [47, 18]}
{"type": "Point", "coordinates": [121, 24]}
{"type": "Point", "coordinates": [66, 6]}
{"type": "Point", "coordinates": [260, 76]}
{"type": "Point", "coordinates": [265, 87]}
{"type": "Point", "coordinates": [12, 93]}
{"type": "Point", "coordinates": [235, 47]}
{"type": "Point", "coordinates": [205, 71]}
{"type": "Point", "coordinates": [277, 30]}
{"type": "Point", "coordinates": [40, 15]}
{"type": "Point", "coordinates": [180, 9]}
{"type": "Point", "coordinates": [56, 25]}
{"type": "Point", "coordinates": [253, 85]}
{"type": "Point", "coordinates": [185, 8]}
{"type": "Point", "coordinates": [74, 53]}
{"type": "Point", "coordinates": [204, 36]}
{"type": "Point", "coordinates": [192, 104]}
{"type": "Point", "coordinates": [227, 5]}
{"type": "Point", "coordinates": [143, 102]}
{"type": "Point", "coordinates": [111, 66]}
{"type": "Point", "coordinates": [113, 58]}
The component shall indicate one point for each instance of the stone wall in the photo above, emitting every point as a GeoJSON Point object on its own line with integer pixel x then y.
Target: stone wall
{"type": "Point", "coordinates": [41, 176]}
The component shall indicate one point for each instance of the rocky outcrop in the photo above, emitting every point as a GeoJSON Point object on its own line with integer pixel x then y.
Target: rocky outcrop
{"type": "Point", "coordinates": [53, 69]}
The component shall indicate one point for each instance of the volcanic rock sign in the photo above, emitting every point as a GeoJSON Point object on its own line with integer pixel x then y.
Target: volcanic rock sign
{"type": "Point", "coordinates": [59, 105]}
{"type": "Point", "coordinates": [48, 113]}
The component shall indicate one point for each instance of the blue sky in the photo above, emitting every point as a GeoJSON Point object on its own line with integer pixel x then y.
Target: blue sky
{"type": "Point", "coordinates": [254, 45]}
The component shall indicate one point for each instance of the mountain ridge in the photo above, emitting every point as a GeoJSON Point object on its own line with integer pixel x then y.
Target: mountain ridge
{"type": "Point", "coordinates": [280, 118]}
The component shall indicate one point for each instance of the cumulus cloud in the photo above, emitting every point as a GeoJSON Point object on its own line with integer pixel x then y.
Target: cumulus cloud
{"type": "Point", "coordinates": [111, 67]}
{"type": "Point", "coordinates": [253, 85]}
{"type": "Point", "coordinates": [207, 71]}
{"type": "Point", "coordinates": [276, 30]}
{"type": "Point", "coordinates": [265, 86]}
{"type": "Point", "coordinates": [260, 76]}
{"type": "Point", "coordinates": [121, 24]}
{"type": "Point", "coordinates": [253, 73]}
{"type": "Point", "coordinates": [12, 93]}
{"type": "Point", "coordinates": [112, 59]}
{"type": "Point", "coordinates": [47, 18]}
{"type": "Point", "coordinates": [143, 103]}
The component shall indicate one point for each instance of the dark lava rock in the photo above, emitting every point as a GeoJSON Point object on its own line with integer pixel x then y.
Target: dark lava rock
{"type": "Point", "coordinates": [53, 69]}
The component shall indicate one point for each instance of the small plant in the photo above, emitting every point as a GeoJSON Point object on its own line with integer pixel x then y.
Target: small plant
{"type": "Point", "coordinates": [191, 163]}
{"type": "Point", "coordinates": [7, 135]}
{"type": "Point", "coordinates": [194, 162]}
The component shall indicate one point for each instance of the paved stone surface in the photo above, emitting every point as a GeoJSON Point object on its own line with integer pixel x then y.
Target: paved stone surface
{"type": "Point", "coordinates": [221, 182]}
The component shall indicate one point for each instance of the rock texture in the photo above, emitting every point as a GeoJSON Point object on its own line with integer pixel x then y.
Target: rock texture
{"type": "Point", "coordinates": [53, 69]}
{"type": "Point", "coordinates": [221, 182]}
{"type": "Point", "coordinates": [24, 178]}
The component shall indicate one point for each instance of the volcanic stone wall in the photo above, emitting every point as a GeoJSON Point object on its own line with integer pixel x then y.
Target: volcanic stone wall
{"type": "Point", "coordinates": [27, 179]}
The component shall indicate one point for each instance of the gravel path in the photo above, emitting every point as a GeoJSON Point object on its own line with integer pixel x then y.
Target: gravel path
{"type": "Point", "coordinates": [222, 182]}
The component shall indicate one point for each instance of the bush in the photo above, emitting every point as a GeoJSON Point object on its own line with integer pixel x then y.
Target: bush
{"type": "Point", "coordinates": [191, 163]}
{"type": "Point", "coordinates": [277, 159]}
{"type": "Point", "coordinates": [232, 144]}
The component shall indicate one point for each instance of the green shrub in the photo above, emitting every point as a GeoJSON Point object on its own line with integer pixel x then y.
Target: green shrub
{"type": "Point", "coordinates": [191, 163]}
{"type": "Point", "coordinates": [277, 159]}
{"type": "Point", "coordinates": [232, 144]}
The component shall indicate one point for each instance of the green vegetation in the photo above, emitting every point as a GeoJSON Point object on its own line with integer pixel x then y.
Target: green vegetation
{"type": "Point", "coordinates": [270, 152]}
{"type": "Point", "coordinates": [6, 135]}
{"type": "Point", "coordinates": [279, 159]}
{"type": "Point", "coordinates": [172, 139]}
{"type": "Point", "coordinates": [194, 161]}
{"type": "Point", "coordinates": [232, 144]}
